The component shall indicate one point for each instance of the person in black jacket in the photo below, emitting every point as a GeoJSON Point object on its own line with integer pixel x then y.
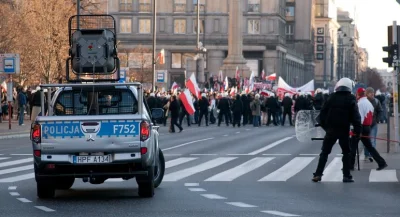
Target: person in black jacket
{"type": "Point", "coordinates": [287, 104]}
{"type": "Point", "coordinates": [246, 108]}
{"type": "Point", "coordinates": [223, 106]}
{"type": "Point", "coordinates": [237, 109]}
{"type": "Point", "coordinates": [203, 108]}
{"type": "Point", "coordinates": [336, 115]}
{"type": "Point", "coordinates": [174, 108]}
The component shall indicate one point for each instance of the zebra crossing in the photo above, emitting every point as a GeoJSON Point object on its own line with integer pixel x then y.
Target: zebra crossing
{"type": "Point", "coordinates": [261, 169]}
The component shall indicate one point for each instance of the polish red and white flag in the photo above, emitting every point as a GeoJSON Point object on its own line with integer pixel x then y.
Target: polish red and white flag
{"type": "Point", "coordinates": [191, 84]}
{"type": "Point", "coordinates": [187, 100]}
{"type": "Point", "coordinates": [174, 86]}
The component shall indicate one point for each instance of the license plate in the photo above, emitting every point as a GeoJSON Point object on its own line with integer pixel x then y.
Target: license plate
{"type": "Point", "coordinates": [92, 159]}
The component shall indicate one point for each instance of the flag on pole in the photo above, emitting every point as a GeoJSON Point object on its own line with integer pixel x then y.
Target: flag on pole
{"type": "Point", "coordinates": [191, 84]}
{"type": "Point", "coordinates": [174, 86]}
{"type": "Point", "coordinates": [263, 75]}
{"type": "Point", "coordinates": [220, 76]}
{"type": "Point", "coordinates": [226, 83]}
{"type": "Point", "coordinates": [187, 101]}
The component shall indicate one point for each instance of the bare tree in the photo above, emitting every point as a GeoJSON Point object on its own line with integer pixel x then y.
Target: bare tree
{"type": "Point", "coordinates": [371, 78]}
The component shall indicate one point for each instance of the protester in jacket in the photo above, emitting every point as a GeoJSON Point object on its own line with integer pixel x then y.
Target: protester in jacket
{"type": "Point", "coordinates": [203, 108]}
{"type": "Point", "coordinates": [287, 104]}
{"type": "Point", "coordinates": [237, 109]}
{"type": "Point", "coordinates": [256, 110]}
{"type": "Point", "coordinates": [366, 111]}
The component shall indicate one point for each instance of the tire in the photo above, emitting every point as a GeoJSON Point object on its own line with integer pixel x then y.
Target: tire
{"type": "Point", "coordinates": [159, 169]}
{"type": "Point", "coordinates": [64, 183]}
{"type": "Point", "coordinates": [45, 190]}
{"type": "Point", "coordinates": [146, 183]}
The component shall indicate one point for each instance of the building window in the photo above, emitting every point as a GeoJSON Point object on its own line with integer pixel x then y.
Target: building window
{"type": "Point", "coordinates": [320, 8]}
{"type": "Point", "coordinates": [178, 60]}
{"type": "Point", "coordinates": [289, 13]}
{"type": "Point", "coordinates": [202, 5]}
{"type": "Point", "coordinates": [289, 31]}
{"type": "Point", "coordinates": [179, 26]}
{"type": "Point", "coordinates": [125, 5]}
{"type": "Point", "coordinates": [144, 26]}
{"type": "Point", "coordinates": [253, 26]}
{"type": "Point", "coordinates": [253, 6]}
{"type": "Point", "coordinates": [125, 25]}
{"type": "Point", "coordinates": [216, 25]}
{"type": "Point", "coordinates": [145, 6]}
{"type": "Point", "coordinates": [202, 24]}
{"type": "Point", "coordinates": [180, 6]}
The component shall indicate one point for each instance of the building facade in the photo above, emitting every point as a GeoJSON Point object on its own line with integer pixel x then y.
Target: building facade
{"type": "Point", "coordinates": [264, 35]}
{"type": "Point", "coordinates": [326, 35]}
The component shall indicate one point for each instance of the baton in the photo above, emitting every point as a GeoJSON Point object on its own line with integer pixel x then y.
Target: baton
{"type": "Point", "coordinates": [316, 139]}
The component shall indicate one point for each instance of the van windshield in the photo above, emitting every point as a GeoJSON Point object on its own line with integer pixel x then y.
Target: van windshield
{"type": "Point", "coordinates": [98, 102]}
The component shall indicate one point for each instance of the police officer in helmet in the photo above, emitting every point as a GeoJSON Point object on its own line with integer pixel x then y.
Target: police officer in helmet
{"type": "Point", "coordinates": [337, 114]}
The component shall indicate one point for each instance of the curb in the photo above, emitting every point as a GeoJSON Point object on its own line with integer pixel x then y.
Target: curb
{"type": "Point", "coordinates": [14, 136]}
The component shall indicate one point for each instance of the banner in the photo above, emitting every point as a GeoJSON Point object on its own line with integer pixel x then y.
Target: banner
{"type": "Point", "coordinates": [283, 88]}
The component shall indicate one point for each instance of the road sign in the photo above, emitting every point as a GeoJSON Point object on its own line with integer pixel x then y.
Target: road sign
{"type": "Point", "coordinates": [160, 76]}
{"type": "Point", "coordinates": [10, 63]}
{"type": "Point", "coordinates": [122, 76]}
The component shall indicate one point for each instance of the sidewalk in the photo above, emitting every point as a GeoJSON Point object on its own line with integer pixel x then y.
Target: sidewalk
{"type": "Point", "coordinates": [381, 145]}
{"type": "Point", "coordinates": [16, 130]}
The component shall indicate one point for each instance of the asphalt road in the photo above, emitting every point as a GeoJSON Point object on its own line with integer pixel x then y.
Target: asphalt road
{"type": "Point", "coordinates": [214, 171]}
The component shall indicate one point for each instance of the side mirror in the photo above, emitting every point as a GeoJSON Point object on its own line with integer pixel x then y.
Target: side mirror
{"type": "Point", "coordinates": [157, 113]}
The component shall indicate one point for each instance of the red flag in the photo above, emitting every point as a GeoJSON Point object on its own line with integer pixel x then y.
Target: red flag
{"type": "Point", "coordinates": [191, 84]}
{"type": "Point", "coordinates": [187, 101]}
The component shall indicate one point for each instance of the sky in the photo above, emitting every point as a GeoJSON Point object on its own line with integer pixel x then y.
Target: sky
{"type": "Point", "coordinates": [372, 19]}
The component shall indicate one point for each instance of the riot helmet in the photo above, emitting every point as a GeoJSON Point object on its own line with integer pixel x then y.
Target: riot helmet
{"type": "Point", "coordinates": [344, 85]}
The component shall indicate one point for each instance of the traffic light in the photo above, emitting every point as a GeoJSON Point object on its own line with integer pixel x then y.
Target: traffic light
{"type": "Point", "coordinates": [393, 51]}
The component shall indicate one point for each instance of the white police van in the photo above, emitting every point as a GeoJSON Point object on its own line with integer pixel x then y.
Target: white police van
{"type": "Point", "coordinates": [96, 132]}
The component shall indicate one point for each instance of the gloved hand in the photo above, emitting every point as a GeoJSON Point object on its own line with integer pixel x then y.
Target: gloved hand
{"type": "Point", "coordinates": [354, 135]}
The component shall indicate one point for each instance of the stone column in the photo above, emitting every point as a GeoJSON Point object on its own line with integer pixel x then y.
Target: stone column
{"type": "Point", "coordinates": [235, 42]}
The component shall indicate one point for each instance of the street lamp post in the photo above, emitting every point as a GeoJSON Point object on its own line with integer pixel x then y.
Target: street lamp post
{"type": "Point", "coordinates": [154, 44]}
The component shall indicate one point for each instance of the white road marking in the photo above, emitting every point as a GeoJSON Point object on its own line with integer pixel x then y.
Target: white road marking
{"type": "Point", "coordinates": [18, 178]}
{"type": "Point", "coordinates": [383, 176]}
{"type": "Point", "coordinates": [16, 169]}
{"type": "Point", "coordinates": [225, 135]}
{"type": "Point", "coordinates": [308, 154]}
{"type": "Point", "coordinates": [240, 204]}
{"type": "Point", "coordinates": [46, 209]}
{"type": "Point", "coordinates": [178, 161]}
{"type": "Point", "coordinates": [191, 184]}
{"type": "Point", "coordinates": [276, 154]}
{"type": "Point", "coordinates": [333, 172]}
{"type": "Point", "coordinates": [237, 132]}
{"type": "Point", "coordinates": [247, 129]}
{"type": "Point", "coordinates": [12, 187]}
{"type": "Point", "coordinates": [14, 193]}
{"type": "Point", "coordinates": [175, 176]}
{"type": "Point", "coordinates": [4, 158]}
{"type": "Point", "coordinates": [240, 170]}
{"type": "Point", "coordinates": [114, 180]}
{"type": "Point", "coordinates": [288, 170]}
{"type": "Point", "coordinates": [204, 154]}
{"type": "Point", "coordinates": [270, 146]}
{"type": "Point", "coordinates": [188, 143]}
{"type": "Point", "coordinates": [15, 162]}
{"type": "Point", "coordinates": [279, 213]}
{"type": "Point", "coordinates": [172, 154]}
{"type": "Point", "coordinates": [24, 200]}
{"type": "Point", "coordinates": [238, 154]}
{"type": "Point", "coordinates": [21, 154]}
{"type": "Point", "coordinates": [196, 189]}
{"type": "Point", "coordinates": [213, 196]}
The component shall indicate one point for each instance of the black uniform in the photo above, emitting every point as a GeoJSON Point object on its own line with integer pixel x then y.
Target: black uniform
{"type": "Point", "coordinates": [336, 115]}
{"type": "Point", "coordinates": [237, 109]}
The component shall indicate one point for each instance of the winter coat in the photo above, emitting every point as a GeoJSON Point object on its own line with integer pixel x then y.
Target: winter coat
{"type": "Point", "coordinates": [339, 111]}
{"type": "Point", "coordinates": [256, 107]}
